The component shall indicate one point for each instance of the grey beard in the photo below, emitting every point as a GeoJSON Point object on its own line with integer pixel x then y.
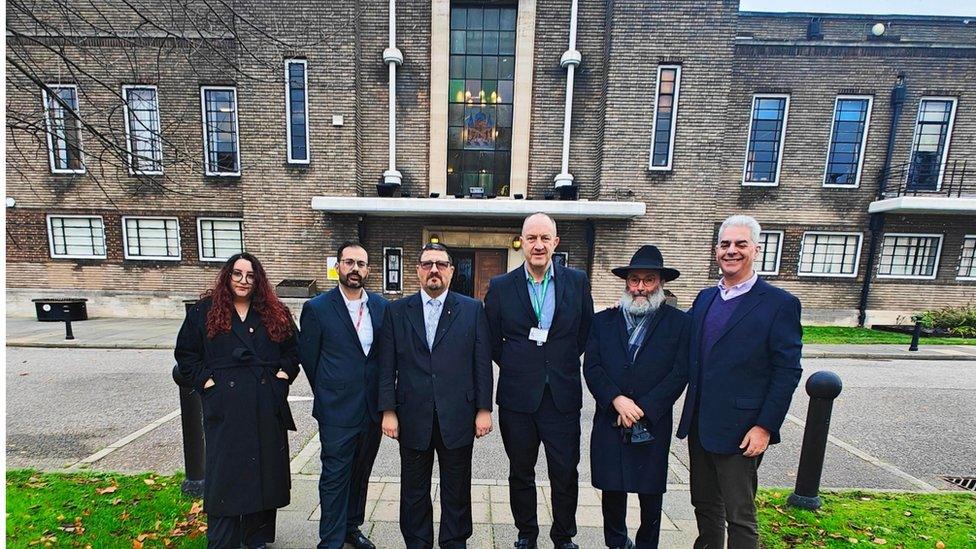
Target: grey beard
{"type": "Point", "coordinates": [650, 305]}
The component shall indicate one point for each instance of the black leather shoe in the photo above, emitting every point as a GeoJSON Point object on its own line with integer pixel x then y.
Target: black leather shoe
{"type": "Point", "coordinates": [359, 541]}
{"type": "Point", "coordinates": [628, 545]}
{"type": "Point", "coordinates": [525, 543]}
{"type": "Point", "coordinates": [567, 545]}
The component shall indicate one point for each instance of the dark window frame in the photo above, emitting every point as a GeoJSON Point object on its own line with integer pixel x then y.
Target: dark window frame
{"type": "Point", "coordinates": [860, 144]}
{"type": "Point", "coordinates": [155, 155]}
{"type": "Point", "coordinates": [672, 119]}
{"type": "Point", "coordinates": [749, 165]}
{"type": "Point", "coordinates": [211, 159]}
{"type": "Point", "coordinates": [72, 145]}
{"type": "Point", "coordinates": [290, 113]}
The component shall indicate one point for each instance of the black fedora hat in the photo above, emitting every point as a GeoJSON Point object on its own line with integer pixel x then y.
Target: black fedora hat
{"type": "Point", "coordinates": [647, 257]}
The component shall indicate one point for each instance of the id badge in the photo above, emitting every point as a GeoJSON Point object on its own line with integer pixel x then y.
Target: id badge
{"type": "Point", "coordinates": [538, 335]}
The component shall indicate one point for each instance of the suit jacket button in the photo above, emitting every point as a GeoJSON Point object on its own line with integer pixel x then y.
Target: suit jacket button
{"type": "Point", "coordinates": [263, 381]}
{"type": "Point", "coordinates": [231, 384]}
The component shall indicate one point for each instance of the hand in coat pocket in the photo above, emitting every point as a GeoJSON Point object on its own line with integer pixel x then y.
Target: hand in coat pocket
{"type": "Point", "coordinates": [281, 375]}
{"type": "Point", "coordinates": [209, 383]}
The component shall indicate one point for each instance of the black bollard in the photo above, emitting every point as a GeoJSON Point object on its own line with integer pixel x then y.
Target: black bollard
{"type": "Point", "coordinates": [68, 334]}
{"type": "Point", "coordinates": [194, 447]}
{"type": "Point", "coordinates": [823, 387]}
{"type": "Point", "coordinates": [915, 335]}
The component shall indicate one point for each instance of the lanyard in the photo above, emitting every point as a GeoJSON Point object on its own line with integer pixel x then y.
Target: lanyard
{"type": "Point", "coordinates": [539, 301]}
{"type": "Point", "coordinates": [359, 320]}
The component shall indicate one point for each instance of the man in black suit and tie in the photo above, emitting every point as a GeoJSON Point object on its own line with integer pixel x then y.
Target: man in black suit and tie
{"type": "Point", "coordinates": [540, 316]}
{"type": "Point", "coordinates": [337, 350]}
{"type": "Point", "coordinates": [435, 394]}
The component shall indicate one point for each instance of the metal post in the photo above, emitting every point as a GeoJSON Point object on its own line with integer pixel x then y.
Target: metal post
{"type": "Point", "coordinates": [823, 387]}
{"type": "Point", "coordinates": [68, 333]}
{"type": "Point", "coordinates": [915, 335]}
{"type": "Point", "coordinates": [194, 446]}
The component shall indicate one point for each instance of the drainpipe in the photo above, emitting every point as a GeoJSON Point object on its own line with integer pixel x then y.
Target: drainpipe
{"type": "Point", "coordinates": [393, 57]}
{"type": "Point", "coordinates": [570, 60]}
{"type": "Point", "coordinates": [877, 222]}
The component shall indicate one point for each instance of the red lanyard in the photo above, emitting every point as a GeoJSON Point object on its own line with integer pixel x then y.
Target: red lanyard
{"type": "Point", "coordinates": [362, 307]}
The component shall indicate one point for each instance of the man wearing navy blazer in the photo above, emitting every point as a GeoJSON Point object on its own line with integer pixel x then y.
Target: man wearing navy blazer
{"type": "Point", "coordinates": [338, 350]}
{"type": "Point", "coordinates": [744, 366]}
{"type": "Point", "coordinates": [636, 366]}
{"type": "Point", "coordinates": [540, 316]}
{"type": "Point", "coordinates": [435, 393]}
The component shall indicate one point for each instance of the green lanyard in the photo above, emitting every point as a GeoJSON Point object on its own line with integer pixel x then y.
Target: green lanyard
{"type": "Point", "coordinates": [537, 301]}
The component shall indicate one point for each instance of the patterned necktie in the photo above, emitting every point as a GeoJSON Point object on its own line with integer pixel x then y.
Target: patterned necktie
{"type": "Point", "coordinates": [431, 317]}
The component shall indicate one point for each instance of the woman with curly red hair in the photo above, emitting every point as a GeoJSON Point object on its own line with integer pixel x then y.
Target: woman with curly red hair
{"type": "Point", "coordinates": [238, 348]}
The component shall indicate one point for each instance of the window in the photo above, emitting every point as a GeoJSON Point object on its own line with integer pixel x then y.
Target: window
{"type": "Point", "coordinates": [933, 130]}
{"type": "Point", "coordinates": [771, 243]}
{"type": "Point", "coordinates": [967, 259]}
{"type": "Point", "coordinates": [151, 238]}
{"type": "Point", "coordinates": [910, 256]}
{"type": "Point", "coordinates": [296, 106]}
{"type": "Point", "coordinates": [830, 254]}
{"type": "Point", "coordinates": [63, 129]}
{"type": "Point", "coordinates": [143, 140]}
{"type": "Point", "coordinates": [76, 236]}
{"type": "Point", "coordinates": [220, 143]}
{"type": "Point", "coordinates": [220, 238]}
{"type": "Point", "coordinates": [665, 116]}
{"type": "Point", "coordinates": [852, 116]}
{"type": "Point", "coordinates": [392, 270]}
{"type": "Point", "coordinates": [766, 133]}
{"type": "Point", "coordinates": [480, 99]}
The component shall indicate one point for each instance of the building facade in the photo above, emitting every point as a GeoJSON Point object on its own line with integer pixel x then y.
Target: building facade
{"type": "Point", "coordinates": [138, 160]}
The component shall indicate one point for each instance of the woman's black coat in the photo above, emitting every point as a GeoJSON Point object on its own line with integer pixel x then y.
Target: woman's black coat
{"type": "Point", "coordinates": [245, 414]}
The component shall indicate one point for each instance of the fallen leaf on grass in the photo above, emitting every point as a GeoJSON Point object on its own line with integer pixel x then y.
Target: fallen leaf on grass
{"type": "Point", "coordinates": [136, 544]}
{"type": "Point", "coordinates": [149, 481]}
{"type": "Point", "coordinates": [852, 540]}
{"type": "Point", "coordinates": [880, 541]}
{"type": "Point", "coordinates": [196, 508]}
{"type": "Point", "coordinates": [908, 513]}
{"type": "Point", "coordinates": [107, 489]}
{"type": "Point", "coordinates": [939, 545]}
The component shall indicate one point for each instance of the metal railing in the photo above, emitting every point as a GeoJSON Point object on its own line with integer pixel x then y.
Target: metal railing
{"type": "Point", "coordinates": [922, 178]}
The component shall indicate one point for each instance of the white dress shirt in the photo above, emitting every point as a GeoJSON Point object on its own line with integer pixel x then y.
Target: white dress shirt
{"type": "Point", "coordinates": [737, 290]}
{"type": "Point", "coordinates": [359, 313]}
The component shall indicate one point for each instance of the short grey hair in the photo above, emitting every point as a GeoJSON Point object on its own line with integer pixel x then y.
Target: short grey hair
{"type": "Point", "coordinates": [742, 221]}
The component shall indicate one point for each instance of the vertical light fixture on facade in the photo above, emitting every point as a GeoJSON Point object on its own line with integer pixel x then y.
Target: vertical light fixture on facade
{"type": "Point", "coordinates": [570, 60]}
{"type": "Point", "coordinates": [393, 57]}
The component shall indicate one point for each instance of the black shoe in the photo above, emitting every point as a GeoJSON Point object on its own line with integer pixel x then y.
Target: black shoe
{"type": "Point", "coordinates": [567, 545]}
{"type": "Point", "coordinates": [628, 545]}
{"type": "Point", "coordinates": [525, 543]}
{"type": "Point", "coordinates": [359, 541]}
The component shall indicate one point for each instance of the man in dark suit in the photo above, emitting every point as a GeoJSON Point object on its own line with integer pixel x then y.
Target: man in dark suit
{"type": "Point", "coordinates": [338, 351]}
{"type": "Point", "coordinates": [435, 394]}
{"type": "Point", "coordinates": [744, 365]}
{"type": "Point", "coordinates": [636, 366]}
{"type": "Point", "coordinates": [540, 316]}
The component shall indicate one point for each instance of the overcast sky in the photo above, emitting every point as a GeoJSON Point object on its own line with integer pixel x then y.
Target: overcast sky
{"type": "Point", "coordinates": [914, 7]}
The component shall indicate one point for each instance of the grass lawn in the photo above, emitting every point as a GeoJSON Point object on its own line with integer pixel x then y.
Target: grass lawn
{"type": "Point", "coordinates": [943, 520]}
{"type": "Point", "coordinates": [844, 334]}
{"type": "Point", "coordinates": [101, 510]}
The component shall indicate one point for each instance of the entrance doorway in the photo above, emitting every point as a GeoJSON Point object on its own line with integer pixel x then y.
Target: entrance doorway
{"type": "Point", "coordinates": [474, 268]}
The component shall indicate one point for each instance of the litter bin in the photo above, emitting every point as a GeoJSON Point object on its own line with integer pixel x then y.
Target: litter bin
{"type": "Point", "coordinates": [60, 309]}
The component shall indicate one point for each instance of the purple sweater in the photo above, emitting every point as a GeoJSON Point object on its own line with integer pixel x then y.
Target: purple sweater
{"type": "Point", "coordinates": [718, 315]}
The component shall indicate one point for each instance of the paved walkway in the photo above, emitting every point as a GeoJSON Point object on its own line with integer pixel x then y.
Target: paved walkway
{"type": "Point", "coordinates": [150, 333]}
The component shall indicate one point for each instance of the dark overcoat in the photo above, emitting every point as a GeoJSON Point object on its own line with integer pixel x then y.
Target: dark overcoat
{"type": "Point", "coordinates": [245, 414]}
{"type": "Point", "coordinates": [453, 380]}
{"type": "Point", "coordinates": [653, 380]}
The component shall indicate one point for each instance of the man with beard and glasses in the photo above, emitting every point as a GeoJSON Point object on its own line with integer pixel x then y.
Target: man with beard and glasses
{"type": "Point", "coordinates": [636, 367]}
{"type": "Point", "coordinates": [340, 358]}
{"type": "Point", "coordinates": [435, 393]}
{"type": "Point", "coordinates": [744, 365]}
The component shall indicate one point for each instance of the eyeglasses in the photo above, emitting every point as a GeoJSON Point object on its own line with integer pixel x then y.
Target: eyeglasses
{"type": "Point", "coordinates": [636, 281]}
{"type": "Point", "coordinates": [238, 276]}
{"type": "Point", "coordinates": [428, 265]}
{"type": "Point", "coordinates": [350, 263]}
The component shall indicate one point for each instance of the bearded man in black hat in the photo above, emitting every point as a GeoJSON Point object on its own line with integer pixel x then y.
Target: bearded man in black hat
{"type": "Point", "coordinates": [636, 367]}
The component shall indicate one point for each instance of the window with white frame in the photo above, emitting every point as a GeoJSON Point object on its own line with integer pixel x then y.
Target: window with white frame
{"type": "Point", "coordinates": [849, 132]}
{"type": "Point", "coordinates": [767, 130]}
{"type": "Point", "coordinates": [142, 129]}
{"type": "Point", "coordinates": [829, 254]}
{"type": "Point", "coordinates": [296, 107]}
{"type": "Point", "coordinates": [220, 238]}
{"type": "Point", "coordinates": [76, 236]}
{"type": "Point", "coordinates": [967, 259]}
{"type": "Point", "coordinates": [771, 243]}
{"type": "Point", "coordinates": [63, 123]}
{"type": "Point", "coordinates": [910, 256]}
{"type": "Point", "coordinates": [665, 116]}
{"type": "Point", "coordinates": [151, 238]}
{"type": "Point", "coordinates": [221, 148]}
{"type": "Point", "coordinates": [933, 131]}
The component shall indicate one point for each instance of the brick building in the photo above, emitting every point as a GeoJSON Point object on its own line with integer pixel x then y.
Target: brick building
{"type": "Point", "coordinates": [148, 155]}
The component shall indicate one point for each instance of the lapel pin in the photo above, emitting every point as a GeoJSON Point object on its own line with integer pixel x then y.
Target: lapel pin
{"type": "Point", "coordinates": [251, 330]}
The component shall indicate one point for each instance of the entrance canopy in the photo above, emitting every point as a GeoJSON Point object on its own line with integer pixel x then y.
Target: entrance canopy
{"type": "Point", "coordinates": [495, 207]}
